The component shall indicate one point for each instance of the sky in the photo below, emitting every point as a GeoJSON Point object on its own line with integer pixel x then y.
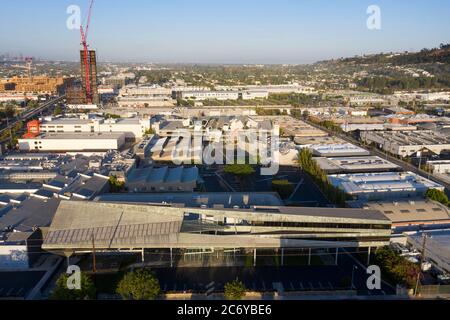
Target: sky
{"type": "Point", "coordinates": [222, 31]}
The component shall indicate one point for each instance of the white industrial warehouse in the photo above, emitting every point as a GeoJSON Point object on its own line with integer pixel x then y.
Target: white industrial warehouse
{"type": "Point", "coordinates": [383, 185]}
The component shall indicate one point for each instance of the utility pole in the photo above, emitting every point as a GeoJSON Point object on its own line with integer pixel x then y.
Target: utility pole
{"type": "Point", "coordinates": [422, 257]}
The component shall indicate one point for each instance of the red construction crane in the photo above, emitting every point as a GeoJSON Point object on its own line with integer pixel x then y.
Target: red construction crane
{"type": "Point", "coordinates": [87, 73]}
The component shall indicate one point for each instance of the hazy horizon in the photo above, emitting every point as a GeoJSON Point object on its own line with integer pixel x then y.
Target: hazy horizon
{"type": "Point", "coordinates": [223, 32]}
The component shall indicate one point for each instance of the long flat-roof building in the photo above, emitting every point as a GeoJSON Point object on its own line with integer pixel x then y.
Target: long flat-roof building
{"type": "Point", "coordinates": [325, 140]}
{"type": "Point", "coordinates": [198, 199]}
{"type": "Point", "coordinates": [144, 96]}
{"type": "Point", "coordinates": [66, 142]}
{"type": "Point", "coordinates": [439, 166]}
{"type": "Point", "coordinates": [23, 213]}
{"type": "Point", "coordinates": [349, 127]}
{"type": "Point", "coordinates": [408, 143]}
{"type": "Point", "coordinates": [412, 213]}
{"type": "Point", "coordinates": [384, 185]}
{"type": "Point", "coordinates": [116, 226]}
{"type": "Point", "coordinates": [132, 127]}
{"type": "Point", "coordinates": [293, 127]}
{"type": "Point", "coordinates": [356, 164]}
{"type": "Point", "coordinates": [163, 179]}
{"type": "Point", "coordinates": [338, 150]}
{"type": "Point", "coordinates": [209, 95]}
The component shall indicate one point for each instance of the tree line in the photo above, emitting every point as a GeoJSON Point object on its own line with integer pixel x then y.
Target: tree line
{"type": "Point", "coordinates": [388, 85]}
{"type": "Point", "coordinates": [309, 165]}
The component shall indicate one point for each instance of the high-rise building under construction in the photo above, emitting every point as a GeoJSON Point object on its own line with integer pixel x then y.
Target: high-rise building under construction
{"type": "Point", "coordinates": [92, 65]}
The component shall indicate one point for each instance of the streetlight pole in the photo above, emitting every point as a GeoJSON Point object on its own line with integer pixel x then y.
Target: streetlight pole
{"type": "Point", "coordinates": [353, 276]}
{"type": "Point", "coordinates": [422, 258]}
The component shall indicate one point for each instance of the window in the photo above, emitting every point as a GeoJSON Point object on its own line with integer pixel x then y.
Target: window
{"type": "Point", "coordinates": [421, 210]}
{"type": "Point", "coordinates": [405, 211]}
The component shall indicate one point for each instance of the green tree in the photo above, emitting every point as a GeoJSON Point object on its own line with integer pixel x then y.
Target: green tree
{"type": "Point", "coordinates": [309, 165]}
{"type": "Point", "coordinates": [437, 195]}
{"type": "Point", "coordinates": [62, 292]}
{"type": "Point", "coordinates": [112, 116]}
{"type": "Point", "coordinates": [115, 185]}
{"type": "Point", "coordinates": [58, 111]}
{"type": "Point", "coordinates": [395, 267]}
{"type": "Point", "coordinates": [149, 131]}
{"type": "Point", "coordinates": [234, 290]}
{"type": "Point", "coordinates": [32, 104]}
{"type": "Point", "coordinates": [8, 112]}
{"type": "Point", "coordinates": [283, 187]}
{"type": "Point", "coordinates": [305, 114]}
{"type": "Point", "coordinates": [139, 285]}
{"type": "Point", "coordinates": [239, 169]}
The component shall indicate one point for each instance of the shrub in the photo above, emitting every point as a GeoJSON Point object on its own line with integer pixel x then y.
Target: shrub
{"type": "Point", "coordinates": [234, 290]}
{"type": "Point", "coordinates": [283, 187]}
{"type": "Point", "coordinates": [62, 292]}
{"type": "Point", "coordinates": [396, 267]}
{"type": "Point", "coordinates": [138, 285]}
{"type": "Point", "coordinates": [239, 169]}
{"type": "Point", "coordinates": [437, 195]}
{"type": "Point", "coordinates": [116, 185]}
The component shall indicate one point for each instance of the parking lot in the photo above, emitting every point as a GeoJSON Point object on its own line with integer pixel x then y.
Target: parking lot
{"type": "Point", "coordinates": [18, 284]}
{"type": "Point", "coordinates": [305, 194]}
{"type": "Point", "coordinates": [263, 279]}
{"type": "Point", "coordinates": [282, 279]}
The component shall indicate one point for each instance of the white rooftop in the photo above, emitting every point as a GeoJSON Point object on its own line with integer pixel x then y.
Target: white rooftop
{"type": "Point", "coordinates": [382, 182]}
{"type": "Point", "coordinates": [355, 164]}
{"type": "Point", "coordinates": [90, 135]}
{"type": "Point", "coordinates": [337, 149]}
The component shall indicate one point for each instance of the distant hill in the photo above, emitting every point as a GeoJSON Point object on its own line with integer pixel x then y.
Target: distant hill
{"type": "Point", "coordinates": [435, 55]}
